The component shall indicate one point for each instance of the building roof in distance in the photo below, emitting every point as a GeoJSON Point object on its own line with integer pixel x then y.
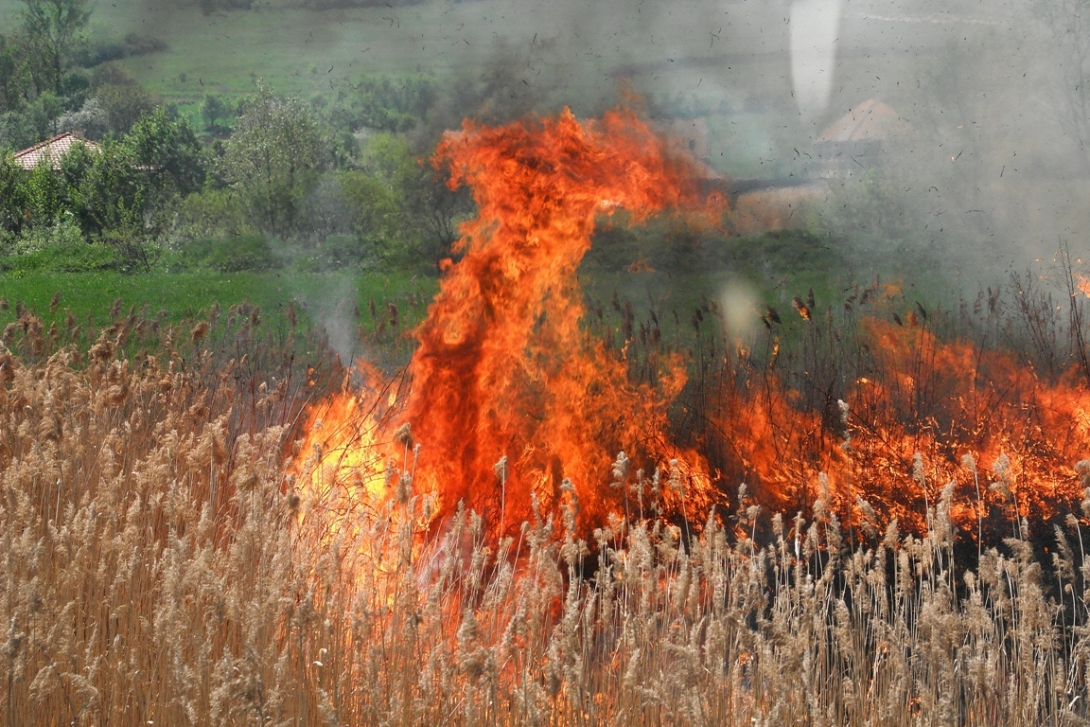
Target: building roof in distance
{"type": "Point", "coordinates": [51, 150]}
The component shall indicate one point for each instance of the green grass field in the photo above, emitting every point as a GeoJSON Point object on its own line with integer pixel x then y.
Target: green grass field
{"type": "Point", "coordinates": [317, 298]}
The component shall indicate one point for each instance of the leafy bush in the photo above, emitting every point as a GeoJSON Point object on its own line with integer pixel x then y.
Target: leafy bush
{"type": "Point", "coordinates": [337, 252]}
{"type": "Point", "coordinates": [64, 233]}
{"type": "Point", "coordinates": [107, 50]}
{"type": "Point", "coordinates": [274, 157]}
{"type": "Point", "coordinates": [391, 104]}
{"type": "Point", "coordinates": [59, 248]}
{"type": "Point", "coordinates": [224, 255]}
{"type": "Point", "coordinates": [210, 214]}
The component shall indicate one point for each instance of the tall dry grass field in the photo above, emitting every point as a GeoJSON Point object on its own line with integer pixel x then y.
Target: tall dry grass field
{"type": "Point", "coordinates": [159, 567]}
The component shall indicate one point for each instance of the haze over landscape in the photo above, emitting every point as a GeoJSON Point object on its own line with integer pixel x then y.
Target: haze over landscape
{"type": "Point", "coordinates": [979, 89]}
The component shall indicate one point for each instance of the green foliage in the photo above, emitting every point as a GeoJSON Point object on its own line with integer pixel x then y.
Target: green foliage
{"type": "Point", "coordinates": [56, 247]}
{"type": "Point", "coordinates": [111, 193]}
{"type": "Point", "coordinates": [213, 109]}
{"type": "Point", "coordinates": [341, 252]}
{"type": "Point", "coordinates": [210, 213]}
{"type": "Point", "coordinates": [54, 30]}
{"type": "Point", "coordinates": [374, 203]}
{"type": "Point", "coordinates": [90, 121]}
{"type": "Point", "coordinates": [15, 77]}
{"type": "Point", "coordinates": [351, 217]}
{"type": "Point", "coordinates": [223, 255]}
{"type": "Point", "coordinates": [120, 195]}
{"type": "Point", "coordinates": [36, 121]}
{"type": "Point", "coordinates": [45, 196]}
{"type": "Point", "coordinates": [429, 211]}
{"type": "Point", "coordinates": [105, 50]}
{"type": "Point", "coordinates": [386, 103]}
{"type": "Point", "coordinates": [168, 152]}
{"type": "Point", "coordinates": [336, 253]}
{"type": "Point", "coordinates": [124, 104]}
{"type": "Point", "coordinates": [274, 158]}
{"type": "Point", "coordinates": [14, 204]}
{"type": "Point", "coordinates": [59, 234]}
{"type": "Point", "coordinates": [16, 131]}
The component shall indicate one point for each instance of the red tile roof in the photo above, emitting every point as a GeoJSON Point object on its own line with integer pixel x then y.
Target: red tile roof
{"type": "Point", "coordinates": [52, 150]}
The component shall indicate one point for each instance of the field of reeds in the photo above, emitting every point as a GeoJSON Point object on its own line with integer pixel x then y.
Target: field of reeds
{"type": "Point", "coordinates": [162, 566]}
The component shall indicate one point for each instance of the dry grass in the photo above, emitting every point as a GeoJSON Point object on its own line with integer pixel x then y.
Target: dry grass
{"type": "Point", "coordinates": [157, 571]}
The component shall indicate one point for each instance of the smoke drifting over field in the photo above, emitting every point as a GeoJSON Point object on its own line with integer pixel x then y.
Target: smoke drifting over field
{"type": "Point", "coordinates": [979, 163]}
{"type": "Point", "coordinates": [985, 163]}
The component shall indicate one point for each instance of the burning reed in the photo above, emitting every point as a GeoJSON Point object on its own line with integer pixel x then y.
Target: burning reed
{"type": "Point", "coordinates": [855, 397]}
{"type": "Point", "coordinates": [159, 568]}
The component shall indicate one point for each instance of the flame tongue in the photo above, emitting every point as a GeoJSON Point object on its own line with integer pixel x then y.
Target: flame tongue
{"type": "Point", "coordinates": [503, 369]}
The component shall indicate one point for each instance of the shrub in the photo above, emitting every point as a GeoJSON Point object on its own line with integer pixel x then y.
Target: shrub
{"type": "Point", "coordinates": [59, 248]}
{"type": "Point", "coordinates": [209, 214]}
{"type": "Point", "coordinates": [335, 253]}
{"type": "Point", "coordinates": [225, 255]}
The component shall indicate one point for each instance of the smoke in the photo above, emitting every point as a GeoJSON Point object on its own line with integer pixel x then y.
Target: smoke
{"type": "Point", "coordinates": [978, 171]}
{"type": "Point", "coordinates": [990, 168]}
{"type": "Point", "coordinates": [333, 309]}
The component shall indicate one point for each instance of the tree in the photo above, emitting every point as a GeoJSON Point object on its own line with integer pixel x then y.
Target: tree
{"type": "Point", "coordinates": [213, 109]}
{"type": "Point", "coordinates": [168, 152]}
{"type": "Point", "coordinates": [113, 202]}
{"type": "Point", "coordinates": [15, 78]}
{"type": "Point", "coordinates": [429, 210]}
{"type": "Point", "coordinates": [393, 105]}
{"type": "Point", "coordinates": [54, 31]}
{"type": "Point", "coordinates": [91, 121]}
{"type": "Point", "coordinates": [45, 195]}
{"type": "Point", "coordinates": [124, 104]}
{"type": "Point", "coordinates": [13, 198]}
{"type": "Point", "coordinates": [274, 158]}
{"type": "Point", "coordinates": [1067, 26]}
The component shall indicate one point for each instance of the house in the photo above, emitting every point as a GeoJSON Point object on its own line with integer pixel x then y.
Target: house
{"type": "Point", "coordinates": [857, 140]}
{"type": "Point", "coordinates": [51, 150]}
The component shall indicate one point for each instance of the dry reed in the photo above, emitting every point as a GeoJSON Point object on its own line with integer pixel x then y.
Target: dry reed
{"type": "Point", "coordinates": [159, 568]}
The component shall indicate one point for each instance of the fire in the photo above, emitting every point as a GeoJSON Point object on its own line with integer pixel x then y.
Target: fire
{"type": "Point", "coordinates": [341, 462]}
{"type": "Point", "coordinates": [1082, 283]}
{"type": "Point", "coordinates": [934, 424]}
{"type": "Point", "coordinates": [514, 408]}
{"type": "Point", "coordinates": [511, 401]}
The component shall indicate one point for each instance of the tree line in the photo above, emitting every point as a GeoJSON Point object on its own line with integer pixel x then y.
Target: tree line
{"type": "Point", "coordinates": [327, 182]}
{"type": "Point", "coordinates": [331, 182]}
{"type": "Point", "coordinates": [280, 175]}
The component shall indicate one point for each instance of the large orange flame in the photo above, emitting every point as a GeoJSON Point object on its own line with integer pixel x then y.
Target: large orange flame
{"type": "Point", "coordinates": [510, 399]}
{"type": "Point", "coordinates": [503, 369]}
